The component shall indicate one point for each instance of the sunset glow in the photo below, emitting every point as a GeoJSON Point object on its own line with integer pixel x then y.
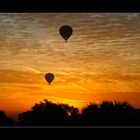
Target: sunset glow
{"type": "Point", "coordinates": [100, 61]}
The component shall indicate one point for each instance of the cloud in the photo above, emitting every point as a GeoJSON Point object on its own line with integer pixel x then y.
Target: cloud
{"type": "Point", "coordinates": [104, 48]}
{"type": "Point", "coordinates": [12, 76]}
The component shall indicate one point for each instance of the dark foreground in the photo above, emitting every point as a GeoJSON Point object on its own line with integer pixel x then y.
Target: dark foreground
{"type": "Point", "coordinates": [47, 113]}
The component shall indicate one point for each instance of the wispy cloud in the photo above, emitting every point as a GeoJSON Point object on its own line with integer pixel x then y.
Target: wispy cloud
{"type": "Point", "coordinates": [102, 55]}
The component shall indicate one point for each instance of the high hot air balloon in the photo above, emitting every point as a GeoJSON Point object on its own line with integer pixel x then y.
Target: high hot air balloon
{"type": "Point", "coordinates": [65, 31]}
{"type": "Point", "coordinates": [49, 77]}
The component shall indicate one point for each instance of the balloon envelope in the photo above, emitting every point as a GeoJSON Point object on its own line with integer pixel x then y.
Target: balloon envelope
{"type": "Point", "coordinates": [49, 77]}
{"type": "Point", "coordinates": [66, 31]}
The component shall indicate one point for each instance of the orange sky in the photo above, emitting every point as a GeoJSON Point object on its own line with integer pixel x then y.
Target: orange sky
{"type": "Point", "coordinates": [101, 60]}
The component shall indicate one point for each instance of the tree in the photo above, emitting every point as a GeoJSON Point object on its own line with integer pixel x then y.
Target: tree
{"type": "Point", "coordinates": [4, 120]}
{"type": "Point", "coordinates": [48, 113]}
{"type": "Point", "coordinates": [108, 113]}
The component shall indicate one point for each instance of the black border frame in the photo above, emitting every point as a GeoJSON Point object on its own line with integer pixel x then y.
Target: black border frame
{"type": "Point", "coordinates": [69, 6]}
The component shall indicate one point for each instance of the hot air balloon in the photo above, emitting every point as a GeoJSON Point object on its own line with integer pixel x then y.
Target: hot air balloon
{"type": "Point", "coordinates": [49, 77]}
{"type": "Point", "coordinates": [65, 31]}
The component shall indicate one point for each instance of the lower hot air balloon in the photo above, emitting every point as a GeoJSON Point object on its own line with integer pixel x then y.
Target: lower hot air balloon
{"type": "Point", "coordinates": [49, 77]}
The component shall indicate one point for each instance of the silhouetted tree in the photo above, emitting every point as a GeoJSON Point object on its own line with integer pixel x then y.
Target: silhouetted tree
{"type": "Point", "coordinates": [4, 120]}
{"type": "Point", "coordinates": [48, 113]}
{"type": "Point", "coordinates": [104, 114]}
{"type": "Point", "coordinates": [108, 113]}
{"type": "Point", "coordinates": [90, 115]}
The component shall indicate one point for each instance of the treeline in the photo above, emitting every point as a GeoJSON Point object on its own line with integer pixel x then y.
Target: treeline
{"type": "Point", "coordinates": [106, 113]}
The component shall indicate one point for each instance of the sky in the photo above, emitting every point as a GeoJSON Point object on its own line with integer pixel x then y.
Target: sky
{"type": "Point", "coordinates": [100, 61]}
